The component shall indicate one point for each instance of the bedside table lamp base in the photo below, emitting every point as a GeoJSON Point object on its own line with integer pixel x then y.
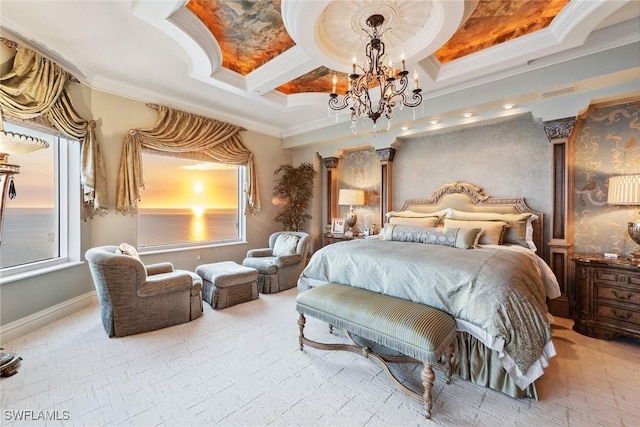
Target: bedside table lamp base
{"type": "Point", "coordinates": [634, 232]}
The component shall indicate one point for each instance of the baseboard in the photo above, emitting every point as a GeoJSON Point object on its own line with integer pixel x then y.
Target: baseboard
{"type": "Point", "coordinates": [20, 327]}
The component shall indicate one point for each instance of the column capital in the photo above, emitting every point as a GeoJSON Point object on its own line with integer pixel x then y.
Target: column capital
{"type": "Point", "coordinates": [560, 128]}
{"type": "Point", "coordinates": [386, 154]}
{"type": "Point", "coordinates": [330, 162]}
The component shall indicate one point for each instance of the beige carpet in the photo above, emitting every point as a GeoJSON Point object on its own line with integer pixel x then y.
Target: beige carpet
{"type": "Point", "coordinates": [241, 367]}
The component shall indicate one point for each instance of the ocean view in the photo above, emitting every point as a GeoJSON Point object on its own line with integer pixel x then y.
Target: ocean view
{"type": "Point", "coordinates": [171, 226]}
{"type": "Point", "coordinates": [28, 235]}
{"type": "Point", "coordinates": [31, 234]}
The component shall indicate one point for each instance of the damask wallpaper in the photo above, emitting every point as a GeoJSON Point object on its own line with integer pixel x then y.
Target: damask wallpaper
{"type": "Point", "coordinates": [605, 143]}
{"type": "Point", "coordinates": [361, 170]}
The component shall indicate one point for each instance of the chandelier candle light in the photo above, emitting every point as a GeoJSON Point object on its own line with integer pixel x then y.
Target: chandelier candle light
{"type": "Point", "coordinates": [376, 74]}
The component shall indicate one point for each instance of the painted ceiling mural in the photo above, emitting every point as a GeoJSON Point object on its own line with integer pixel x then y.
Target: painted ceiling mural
{"type": "Point", "coordinates": [251, 33]}
{"type": "Point", "coordinates": [497, 21]}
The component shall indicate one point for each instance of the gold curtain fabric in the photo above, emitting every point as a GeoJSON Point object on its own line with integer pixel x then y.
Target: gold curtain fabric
{"type": "Point", "coordinates": [180, 132]}
{"type": "Point", "coordinates": [36, 87]}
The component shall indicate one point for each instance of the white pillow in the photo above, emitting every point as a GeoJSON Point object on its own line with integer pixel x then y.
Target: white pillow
{"type": "Point", "coordinates": [529, 235]}
{"type": "Point", "coordinates": [286, 244]}
{"type": "Point", "coordinates": [127, 249]}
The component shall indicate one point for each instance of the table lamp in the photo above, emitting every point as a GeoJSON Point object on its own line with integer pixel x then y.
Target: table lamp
{"type": "Point", "coordinates": [351, 197]}
{"type": "Point", "coordinates": [624, 190]}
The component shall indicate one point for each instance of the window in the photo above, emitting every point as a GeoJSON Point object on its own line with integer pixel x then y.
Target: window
{"type": "Point", "coordinates": [36, 226]}
{"type": "Point", "coordinates": [189, 202]}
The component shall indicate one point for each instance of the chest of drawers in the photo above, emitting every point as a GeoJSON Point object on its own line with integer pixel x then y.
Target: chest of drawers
{"type": "Point", "coordinates": [607, 296]}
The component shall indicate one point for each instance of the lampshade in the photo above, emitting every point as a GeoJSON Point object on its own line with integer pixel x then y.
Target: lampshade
{"type": "Point", "coordinates": [623, 190]}
{"type": "Point", "coordinates": [351, 197]}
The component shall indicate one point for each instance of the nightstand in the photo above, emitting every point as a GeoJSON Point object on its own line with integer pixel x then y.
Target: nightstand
{"type": "Point", "coordinates": [607, 297]}
{"type": "Point", "coordinates": [329, 238]}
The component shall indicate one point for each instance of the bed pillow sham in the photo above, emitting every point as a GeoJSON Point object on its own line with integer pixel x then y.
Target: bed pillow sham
{"type": "Point", "coordinates": [429, 221]}
{"type": "Point", "coordinates": [453, 237]}
{"type": "Point", "coordinates": [416, 219]}
{"type": "Point", "coordinates": [516, 234]}
{"type": "Point", "coordinates": [492, 231]}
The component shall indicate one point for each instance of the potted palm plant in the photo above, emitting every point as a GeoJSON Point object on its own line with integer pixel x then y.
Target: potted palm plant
{"type": "Point", "coordinates": [294, 189]}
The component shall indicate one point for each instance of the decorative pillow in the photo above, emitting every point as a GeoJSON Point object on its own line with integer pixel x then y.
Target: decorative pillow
{"type": "Point", "coordinates": [492, 231]}
{"type": "Point", "coordinates": [429, 221]}
{"type": "Point", "coordinates": [127, 249]}
{"type": "Point", "coordinates": [453, 237]}
{"type": "Point", "coordinates": [517, 232]}
{"type": "Point", "coordinates": [285, 244]}
{"type": "Point", "coordinates": [411, 214]}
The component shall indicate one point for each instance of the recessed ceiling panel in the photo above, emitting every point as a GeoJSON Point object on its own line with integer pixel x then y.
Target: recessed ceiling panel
{"type": "Point", "coordinates": [494, 22]}
{"type": "Point", "coordinates": [250, 33]}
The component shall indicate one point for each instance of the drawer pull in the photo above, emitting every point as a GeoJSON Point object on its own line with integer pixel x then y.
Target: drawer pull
{"type": "Point", "coordinates": [623, 317]}
{"type": "Point", "coordinates": [622, 297]}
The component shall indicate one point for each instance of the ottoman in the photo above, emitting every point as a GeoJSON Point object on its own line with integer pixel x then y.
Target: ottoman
{"type": "Point", "coordinates": [226, 283]}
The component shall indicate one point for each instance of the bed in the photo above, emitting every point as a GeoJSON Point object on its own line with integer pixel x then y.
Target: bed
{"type": "Point", "coordinates": [473, 256]}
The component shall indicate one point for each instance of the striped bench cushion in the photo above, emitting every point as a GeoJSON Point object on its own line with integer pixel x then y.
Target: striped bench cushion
{"type": "Point", "coordinates": [413, 329]}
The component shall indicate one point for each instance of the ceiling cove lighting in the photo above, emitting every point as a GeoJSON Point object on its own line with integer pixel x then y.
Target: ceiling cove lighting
{"type": "Point", "coordinates": [379, 77]}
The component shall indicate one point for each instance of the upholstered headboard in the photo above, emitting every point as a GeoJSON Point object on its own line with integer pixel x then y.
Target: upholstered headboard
{"type": "Point", "coordinates": [463, 196]}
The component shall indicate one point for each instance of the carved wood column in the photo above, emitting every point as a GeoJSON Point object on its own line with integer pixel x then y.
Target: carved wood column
{"type": "Point", "coordinates": [561, 236]}
{"type": "Point", "coordinates": [386, 155]}
{"type": "Point", "coordinates": [331, 188]}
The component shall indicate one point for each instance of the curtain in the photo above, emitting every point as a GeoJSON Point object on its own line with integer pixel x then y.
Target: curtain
{"type": "Point", "coordinates": [180, 132]}
{"type": "Point", "coordinates": [36, 87]}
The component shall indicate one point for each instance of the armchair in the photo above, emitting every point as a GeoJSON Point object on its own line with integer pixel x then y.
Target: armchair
{"type": "Point", "coordinates": [280, 265]}
{"type": "Point", "coordinates": [135, 299]}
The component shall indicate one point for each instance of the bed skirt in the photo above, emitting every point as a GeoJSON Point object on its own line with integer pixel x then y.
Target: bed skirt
{"type": "Point", "coordinates": [477, 363]}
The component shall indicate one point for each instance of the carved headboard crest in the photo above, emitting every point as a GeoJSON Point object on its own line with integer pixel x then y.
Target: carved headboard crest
{"type": "Point", "coordinates": [473, 191]}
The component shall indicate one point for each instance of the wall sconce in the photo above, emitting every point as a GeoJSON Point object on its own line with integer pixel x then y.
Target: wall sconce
{"type": "Point", "coordinates": [624, 190]}
{"type": "Point", "coordinates": [351, 197]}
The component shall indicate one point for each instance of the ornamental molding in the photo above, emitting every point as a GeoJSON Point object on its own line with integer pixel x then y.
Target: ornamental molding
{"type": "Point", "coordinates": [386, 154]}
{"type": "Point", "coordinates": [560, 128]}
{"type": "Point", "coordinates": [330, 162]}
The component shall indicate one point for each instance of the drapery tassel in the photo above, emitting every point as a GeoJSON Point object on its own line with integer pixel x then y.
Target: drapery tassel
{"type": "Point", "coordinates": [12, 188]}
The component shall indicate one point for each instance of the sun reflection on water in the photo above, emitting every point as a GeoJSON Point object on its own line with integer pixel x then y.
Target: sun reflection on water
{"type": "Point", "coordinates": [198, 228]}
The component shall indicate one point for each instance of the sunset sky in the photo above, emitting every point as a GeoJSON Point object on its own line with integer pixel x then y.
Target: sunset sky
{"type": "Point", "coordinates": [187, 184]}
{"type": "Point", "coordinates": [34, 184]}
{"type": "Point", "coordinates": [170, 182]}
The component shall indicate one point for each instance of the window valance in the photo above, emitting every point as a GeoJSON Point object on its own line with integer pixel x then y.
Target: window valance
{"type": "Point", "coordinates": [36, 86]}
{"type": "Point", "coordinates": [180, 132]}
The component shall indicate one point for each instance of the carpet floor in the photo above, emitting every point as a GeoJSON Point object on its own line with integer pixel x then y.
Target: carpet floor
{"type": "Point", "coordinates": [241, 366]}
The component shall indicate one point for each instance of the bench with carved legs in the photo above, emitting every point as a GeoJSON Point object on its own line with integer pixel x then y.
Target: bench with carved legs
{"type": "Point", "coordinates": [421, 333]}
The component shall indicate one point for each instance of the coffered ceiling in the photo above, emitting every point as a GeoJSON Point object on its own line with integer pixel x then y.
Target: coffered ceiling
{"type": "Point", "coordinates": [268, 65]}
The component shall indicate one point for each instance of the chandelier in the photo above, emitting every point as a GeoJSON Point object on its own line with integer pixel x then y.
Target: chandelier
{"type": "Point", "coordinates": [391, 86]}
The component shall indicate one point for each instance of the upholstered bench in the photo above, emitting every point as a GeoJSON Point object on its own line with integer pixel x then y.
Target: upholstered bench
{"type": "Point", "coordinates": [420, 332]}
{"type": "Point", "coordinates": [227, 283]}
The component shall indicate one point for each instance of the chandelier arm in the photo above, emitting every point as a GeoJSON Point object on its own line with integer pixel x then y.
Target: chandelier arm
{"type": "Point", "coordinates": [417, 97]}
{"type": "Point", "coordinates": [335, 104]}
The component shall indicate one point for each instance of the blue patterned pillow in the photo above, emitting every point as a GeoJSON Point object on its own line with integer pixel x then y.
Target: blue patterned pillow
{"type": "Point", "coordinates": [454, 237]}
